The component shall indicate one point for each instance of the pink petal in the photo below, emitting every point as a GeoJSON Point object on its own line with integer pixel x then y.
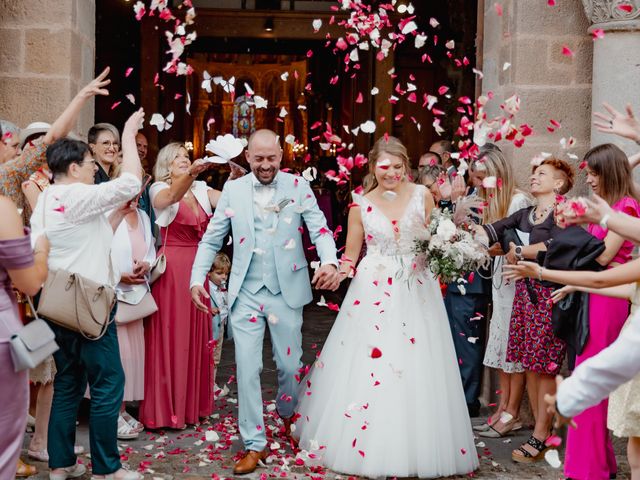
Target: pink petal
{"type": "Point", "coordinates": [566, 51]}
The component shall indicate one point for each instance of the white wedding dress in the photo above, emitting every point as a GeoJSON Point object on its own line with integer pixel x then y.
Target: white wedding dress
{"type": "Point", "coordinates": [384, 397]}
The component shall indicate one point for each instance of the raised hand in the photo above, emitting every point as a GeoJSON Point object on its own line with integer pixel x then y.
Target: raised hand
{"type": "Point", "coordinates": [618, 123]}
{"type": "Point", "coordinates": [596, 209]}
{"type": "Point", "coordinates": [133, 123]}
{"type": "Point", "coordinates": [96, 86]}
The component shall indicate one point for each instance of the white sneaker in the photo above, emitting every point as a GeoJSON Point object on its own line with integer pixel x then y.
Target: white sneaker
{"type": "Point", "coordinates": [127, 475]}
{"type": "Point", "coordinates": [70, 472]}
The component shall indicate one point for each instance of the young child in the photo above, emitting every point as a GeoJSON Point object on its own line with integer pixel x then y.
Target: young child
{"type": "Point", "coordinates": [218, 276]}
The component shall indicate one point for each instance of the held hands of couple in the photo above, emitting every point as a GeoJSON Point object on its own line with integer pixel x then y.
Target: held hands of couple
{"type": "Point", "coordinates": [327, 277]}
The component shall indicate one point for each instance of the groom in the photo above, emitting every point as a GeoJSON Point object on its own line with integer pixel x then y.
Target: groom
{"type": "Point", "coordinates": [269, 282]}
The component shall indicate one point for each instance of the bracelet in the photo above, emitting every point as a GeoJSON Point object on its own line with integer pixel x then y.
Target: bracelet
{"type": "Point", "coordinates": [604, 221]}
{"type": "Point", "coordinates": [540, 269]}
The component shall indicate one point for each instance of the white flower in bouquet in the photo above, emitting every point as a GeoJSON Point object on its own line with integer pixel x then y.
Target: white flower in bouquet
{"type": "Point", "coordinates": [446, 229]}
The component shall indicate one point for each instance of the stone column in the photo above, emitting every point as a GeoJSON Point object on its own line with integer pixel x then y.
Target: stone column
{"type": "Point", "coordinates": [47, 54]}
{"type": "Point", "coordinates": [616, 62]}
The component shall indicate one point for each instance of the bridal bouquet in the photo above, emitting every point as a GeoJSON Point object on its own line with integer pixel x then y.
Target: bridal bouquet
{"type": "Point", "coordinates": [447, 246]}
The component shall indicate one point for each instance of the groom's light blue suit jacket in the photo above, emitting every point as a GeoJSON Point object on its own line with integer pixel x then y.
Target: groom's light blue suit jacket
{"type": "Point", "coordinates": [235, 212]}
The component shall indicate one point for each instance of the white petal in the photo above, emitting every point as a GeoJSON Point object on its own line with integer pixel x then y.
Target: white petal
{"type": "Point", "coordinates": [368, 126]}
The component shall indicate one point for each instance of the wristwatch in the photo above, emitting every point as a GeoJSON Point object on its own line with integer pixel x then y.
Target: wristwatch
{"type": "Point", "coordinates": [518, 251]}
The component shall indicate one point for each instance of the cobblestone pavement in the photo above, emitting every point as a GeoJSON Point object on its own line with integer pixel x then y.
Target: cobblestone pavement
{"type": "Point", "coordinates": [196, 454]}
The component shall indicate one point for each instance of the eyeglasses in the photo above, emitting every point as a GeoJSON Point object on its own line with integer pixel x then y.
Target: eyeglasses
{"type": "Point", "coordinates": [107, 144]}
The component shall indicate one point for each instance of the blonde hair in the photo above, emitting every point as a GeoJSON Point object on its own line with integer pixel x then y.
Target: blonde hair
{"type": "Point", "coordinates": [162, 168]}
{"type": "Point", "coordinates": [221, 262]}
{"type": "Point", "coordinates": [390, 146]}
{"type": "Point", "coordinates": [498, 199]}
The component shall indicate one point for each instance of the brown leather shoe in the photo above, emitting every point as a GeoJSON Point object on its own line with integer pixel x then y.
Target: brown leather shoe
{"type": "Point", "coordinates": [287, 432]}
{"type": "Point", "coordinates": [249, 462]}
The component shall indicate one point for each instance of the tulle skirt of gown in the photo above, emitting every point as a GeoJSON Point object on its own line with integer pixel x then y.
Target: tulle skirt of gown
{"type": "Point", "coordinates": [384, 398]}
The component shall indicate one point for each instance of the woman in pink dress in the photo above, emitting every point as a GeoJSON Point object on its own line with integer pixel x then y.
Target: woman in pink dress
{"type": "Point", "coordinates": [178, 375]}
{"type": "Point", "coordinates": [132, 252]}
{"type": "Point", "coordinates": [589, 454]}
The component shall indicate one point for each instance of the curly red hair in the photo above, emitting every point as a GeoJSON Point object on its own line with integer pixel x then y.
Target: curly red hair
{"type": "Point", "coordinates": [563, 169]}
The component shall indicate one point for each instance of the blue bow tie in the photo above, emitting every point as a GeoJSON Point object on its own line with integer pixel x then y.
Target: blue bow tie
{"type": "Point", "coordinates": [262, 185]}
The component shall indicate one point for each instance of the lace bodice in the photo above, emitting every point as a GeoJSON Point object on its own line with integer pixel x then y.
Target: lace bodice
{"type": "Point", "coordinates": [385, 236]}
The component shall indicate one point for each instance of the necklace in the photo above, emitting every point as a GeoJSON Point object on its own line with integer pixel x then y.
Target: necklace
{"type": "Point", "coordinates": [536, 217]}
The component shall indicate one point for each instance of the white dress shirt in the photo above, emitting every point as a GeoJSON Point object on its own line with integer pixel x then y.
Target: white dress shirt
{"type": "Point", "coordinates": [77, 227]}
{"type": "Point", "coordinates": [593, 380]}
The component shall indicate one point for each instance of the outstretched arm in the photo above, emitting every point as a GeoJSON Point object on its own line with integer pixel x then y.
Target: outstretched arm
{"type": "Point", "coordinates": [598, 210]}
{"type": "Point", "coordinates": [67, 120]}
{"type": "Point", "coordinates": [620, 275]}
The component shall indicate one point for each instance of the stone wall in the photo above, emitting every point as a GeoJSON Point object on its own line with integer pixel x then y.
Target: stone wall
{"type": "Point", "coordinates": [47, 54]}
{"type": "Point", "coordinates": [530, 36]}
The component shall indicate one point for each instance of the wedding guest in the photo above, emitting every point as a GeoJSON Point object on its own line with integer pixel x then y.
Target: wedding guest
{"type": "Point", "coordinates": [429, 159]}
{"type": "Point", "coordinates": [143, 148]}
{"type": "Point", "coordinates": [178, 376]}
{"type": "Point", "coordinates": [73, 210]}
{"type": "Point", "coordinates": [10, 141]}
{"type": "Point", "coordinates": [500, 203]}
{"type": "Point", "coordinates": [531, 338]}
{"type": "Point", "coordinates": [444, 191]}
{"type": "Point", "coordinates": [444, 148]}
{"type": "Point", "coordinates": [33, 132]}
{"type": "Point", "coordinates": [104, 141]}
{"type": "Point", "coordinates": [609, 176]}
{"type": "Point", "coordinates": [133, 252]}
{"type": "Point", "coordinates": [218, 277]}
{"type": "Point", "coordinates": [26, 269]}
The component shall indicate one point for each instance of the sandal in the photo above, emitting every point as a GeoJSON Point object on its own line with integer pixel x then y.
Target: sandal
{"type": "Point", "coordinates": [126, 431]}
{"type": "Point", "coordinates": [25, 470]}
{"type": "Point", "coordinates": [522, 455]}
{"type": "Point", "coordinates": [507, 428]}
{"type": "Point", "coordinates": [135, 424]}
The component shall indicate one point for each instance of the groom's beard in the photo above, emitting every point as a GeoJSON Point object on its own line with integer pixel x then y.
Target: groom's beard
{"type": "Point", "coordinates": [266, 177]}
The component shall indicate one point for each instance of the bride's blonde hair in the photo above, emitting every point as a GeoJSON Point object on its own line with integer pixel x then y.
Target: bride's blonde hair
{"type": "Point", "coordinates": [390, 146]}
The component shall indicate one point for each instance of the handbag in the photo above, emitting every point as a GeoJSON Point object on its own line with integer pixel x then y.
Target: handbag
{"type": "Point", "coordinates": [159, 266]}
{"type": "Point", "coordinates": [74, 302]}
{"type": "Point", "coordinates": [134, 305]}
{"type": "Point", "coordinates": [33, 344]}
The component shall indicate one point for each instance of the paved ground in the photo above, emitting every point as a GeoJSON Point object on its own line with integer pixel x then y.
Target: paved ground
{"type": "Point", "coordinates": [207, 451]}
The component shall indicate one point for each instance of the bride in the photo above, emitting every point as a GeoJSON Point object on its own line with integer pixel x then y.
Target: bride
{"type": "Point", "coordinates": [384, 398]}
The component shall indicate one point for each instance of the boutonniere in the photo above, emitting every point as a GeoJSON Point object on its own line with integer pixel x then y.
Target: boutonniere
{"type": "Point", "coordinates": [277, 208]}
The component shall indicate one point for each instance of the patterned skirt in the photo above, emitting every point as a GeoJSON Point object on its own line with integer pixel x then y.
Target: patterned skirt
{"type": "Point", "coordinates": [531, 338]}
